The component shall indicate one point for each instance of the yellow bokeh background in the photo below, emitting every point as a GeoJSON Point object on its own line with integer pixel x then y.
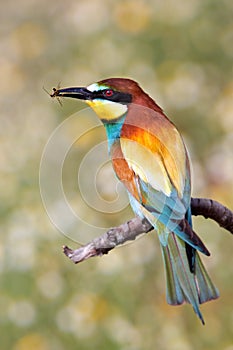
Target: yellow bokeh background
{"type": "Point", "coordinates": [181, 53]}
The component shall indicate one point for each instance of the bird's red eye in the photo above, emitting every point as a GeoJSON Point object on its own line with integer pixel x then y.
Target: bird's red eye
{"type": "Point", "coordinates": [108, 93]}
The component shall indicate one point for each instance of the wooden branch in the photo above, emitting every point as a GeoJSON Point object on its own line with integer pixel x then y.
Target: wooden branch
{"type": "Point", "coordinates": [133, 228]}
{"type": "Point", "coordinates": [109, 240]}
{"type": "Point", "coordinates": [214, 210]}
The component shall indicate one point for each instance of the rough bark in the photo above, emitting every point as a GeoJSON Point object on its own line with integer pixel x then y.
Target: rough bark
{"type": "Point", "coordinates": [128, 231]}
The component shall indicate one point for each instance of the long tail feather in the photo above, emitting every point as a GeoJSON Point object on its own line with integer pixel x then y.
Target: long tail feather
{"type": "Point", "coordinates": [206, 289]}
{"type": "Point", "coordinates": [183, 285]}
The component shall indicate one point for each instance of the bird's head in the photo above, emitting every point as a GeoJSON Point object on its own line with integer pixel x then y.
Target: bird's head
{"type": "Point", "coordinates": [109, 98]}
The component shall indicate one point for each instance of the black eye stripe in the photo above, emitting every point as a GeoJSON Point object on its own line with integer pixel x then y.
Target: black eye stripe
{"type": "Point", "coordinates": [117, 96]}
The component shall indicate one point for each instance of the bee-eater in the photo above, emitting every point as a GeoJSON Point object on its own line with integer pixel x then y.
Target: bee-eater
{"type": "Point", "coordinates": [149, 157]}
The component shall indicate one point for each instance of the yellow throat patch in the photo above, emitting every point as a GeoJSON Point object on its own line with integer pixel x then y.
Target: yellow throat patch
{"type": "Point", "coordinates": [107, 110]}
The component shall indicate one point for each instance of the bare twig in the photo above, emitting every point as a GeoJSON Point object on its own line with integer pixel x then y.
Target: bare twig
{"type": "Point", "coordinates": [136, 226]}
{"type": "Point", "coordinates": [214, 210]}
{"type": "Point", "coordinates": [109, 240]}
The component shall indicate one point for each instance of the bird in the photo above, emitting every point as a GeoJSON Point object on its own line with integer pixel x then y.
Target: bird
{"type": "Point", "coordinates": [150, 158]}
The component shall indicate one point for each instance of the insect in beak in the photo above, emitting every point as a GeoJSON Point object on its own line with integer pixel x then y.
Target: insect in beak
{"type": "Point", "coordinates": [55, 93]}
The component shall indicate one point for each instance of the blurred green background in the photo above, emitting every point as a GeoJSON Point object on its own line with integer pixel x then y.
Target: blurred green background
{"type": "Point", "coordinates": [182, 54]}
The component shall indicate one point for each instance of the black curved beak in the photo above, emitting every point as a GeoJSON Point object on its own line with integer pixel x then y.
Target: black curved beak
{"type": "Point", "coordinates": [81, 93]}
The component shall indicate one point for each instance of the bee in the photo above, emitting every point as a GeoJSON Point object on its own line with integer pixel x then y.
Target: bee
{"type": "Point", "coordinates": [55, 93]}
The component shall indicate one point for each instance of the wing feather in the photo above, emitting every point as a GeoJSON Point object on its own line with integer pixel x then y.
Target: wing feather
{"type": "Point", "coordinates": [152, 143]}
{"type": "Point", "coordinates": [147, 165]}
